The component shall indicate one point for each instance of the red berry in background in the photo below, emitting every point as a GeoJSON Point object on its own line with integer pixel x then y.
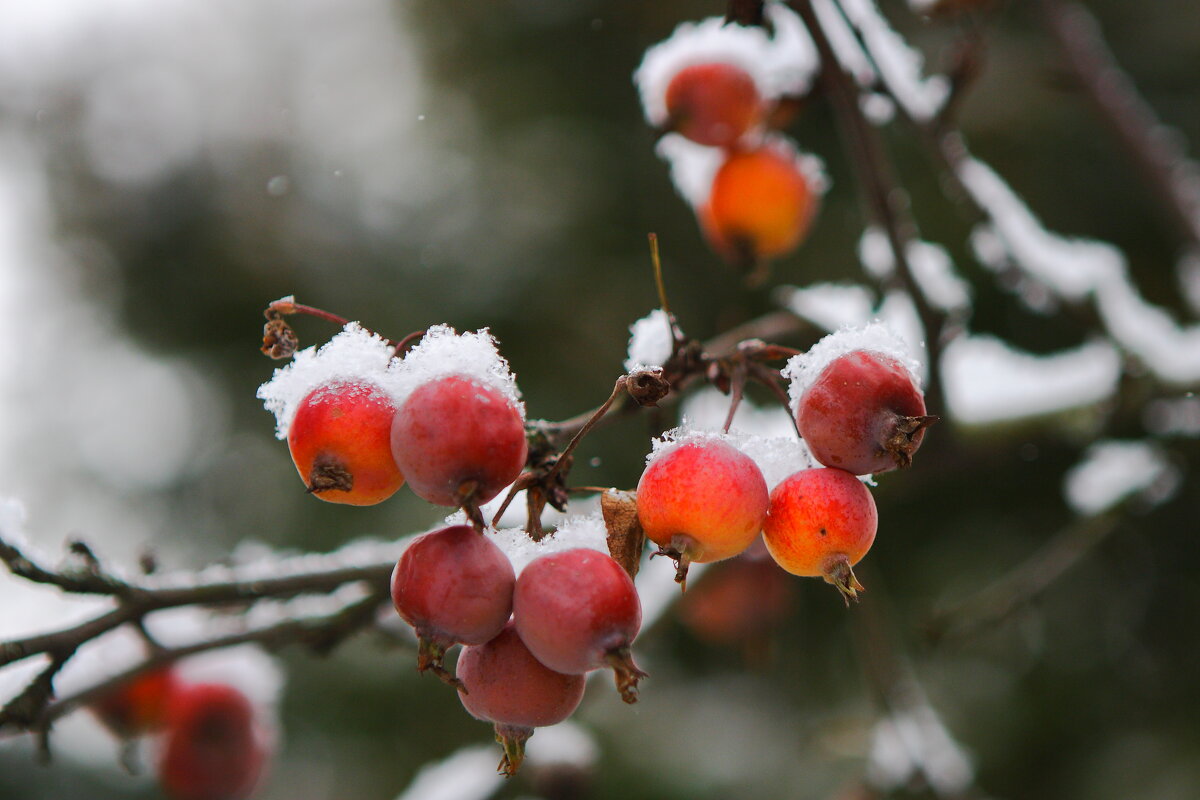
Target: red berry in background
{"type": "Point", "coordinates": [713, 104]}
{"type": "Point", "coordinates": [702, 501]}
{"type": "Point", "coordinates": [822, 522]}
{"type": "Point", "coordinates": [760, 205]}
{"type": "Point", "coordinates": [578, 611]}
{"type": "Point", "coordinates": [864, 414]}
{"type": "Point", "coordinates": [458, 441]}
{"type": "Point", "coordinates": [507, 686]}
{"type": "Point", "coordinates": [140, 705]}
{"type": "Point", "coordinates": [213, 748]}
{"type": "Point", "coordinates": [740, 603]}
{"type": "Point", "coordinates": [340, 440]}
{"type": "Point", "coordinates": [454, 586]}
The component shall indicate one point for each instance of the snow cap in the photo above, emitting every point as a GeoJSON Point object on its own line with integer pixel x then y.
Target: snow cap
{"type": "Point", "coordinates": [651, 341]}
{"type": "Point", "coordinates": [353, 354]}
{"type": "Point", "coordinates": [442, 351]}
{"type": "Point", "coordinates": [802, 371]}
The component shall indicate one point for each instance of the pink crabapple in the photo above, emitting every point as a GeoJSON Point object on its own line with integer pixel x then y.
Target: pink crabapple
{"type": "Point", "coordinates": [864, 413]}
{"type": "Point", "coordinates": [454, 586]}
{"type": "Point", "coordinates": [578, 611]}
{"type": "Point", "coordinates": [458, 442]}
{"type": "Point", "coordinates": [713, 104]}
{"type": "Point", "coordinates": [507, 686]}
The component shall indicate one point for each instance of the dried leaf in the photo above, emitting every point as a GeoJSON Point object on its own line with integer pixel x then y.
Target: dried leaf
{"type": "Point", "coordinates": [625, 536]}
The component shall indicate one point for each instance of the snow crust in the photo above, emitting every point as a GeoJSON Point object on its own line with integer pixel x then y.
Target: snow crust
{"type": "Point", "coordinates": [651, 341]}
{"type": "Point", "coordinates": [352, 354]}
{"type": "Point", "coordinates": [1113, 470]}
{"type": "Point", "coordinates": [577, 531]}
{"type": "Point", "coordinates": [777, 457]}
{"type": "Point", "coordinates": [442, 351]}
{"type": "Point", "coordinates": [783, 65]}
{"type": "Point", "coordinates": [986, 380]}
{"type": "Point", "coordinates": [875, 337]}
{"type": "Point", "coordinates": [932, 268]}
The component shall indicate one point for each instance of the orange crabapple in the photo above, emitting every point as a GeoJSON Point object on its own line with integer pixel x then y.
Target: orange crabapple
{"type": "Point", "coordinates": [506, 685]}
{"type": "Point", "coordinates": [340, 441]}
{"type": "Point", "coordinates": [701, 501]}
{"type": "Point", "coordinates": [821, 523]}
{"type": "Point", "coordinates": [713, 104]}
{"type": "Point", "coordinates": [760, 206]}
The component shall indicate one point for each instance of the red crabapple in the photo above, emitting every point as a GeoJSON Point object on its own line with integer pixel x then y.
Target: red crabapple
{"type": "Point", "coordinates": [864, 414]}
{"type": "Point", "coordinates": [739, 602]}
{"type": "Point", "coordinates": [454, 586]}
{"type": "Point", "coordinates": [713, 104]}
{"type": "Point", "coordinates": [139, 705]}
{"type": "Point", "coordinates": [760, 205]}
{"type": "Point", "coordinates": [458, 441]}
{"type": "Point", "coordinates": [507, 686]}
{"type": "Point", "coordinates": [213, 749]}
{"type": "Point", "coordinates": [701, 501]}
{"type": "Point", "coordinates": [578, 611]}
{"type": "Point", "coordinates": [822, 522]}
{"type": "Point", "coordinates": [340, 442]}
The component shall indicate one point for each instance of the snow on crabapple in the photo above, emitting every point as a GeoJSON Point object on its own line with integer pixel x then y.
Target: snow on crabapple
{"type": "Point", "coordinates": [454, 586]}
{"type": "Point", "coordinates": [578, 611]}
{"type": "Point", "coordinates": [459, 431]}
{"type": "Point", "coordinates": [700, 499]}
{"type": "Point", "coordinates": [857, 400]}
{"type": "Point", "coordinates": [505, 685]}
{"type": "Point", "coordinates": [821, 523]}
{"type": "Point", "coordinates": [213, 747]}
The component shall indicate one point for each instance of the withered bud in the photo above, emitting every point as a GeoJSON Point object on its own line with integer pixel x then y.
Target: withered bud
{"type": "Point", "coordinates": [647, 386]}
{"type": "Point", "coordinates": [279, 340]}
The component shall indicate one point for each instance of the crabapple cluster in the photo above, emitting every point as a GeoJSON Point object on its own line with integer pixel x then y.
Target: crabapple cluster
{"type": "Point", "coordinates": [717, 92]}
{"type": "Point", "coordinates": [572, 612]}
{"type": "Point", "coordinates": [212, 743]}
{"type": "Point", "coordinates": [447, 418]}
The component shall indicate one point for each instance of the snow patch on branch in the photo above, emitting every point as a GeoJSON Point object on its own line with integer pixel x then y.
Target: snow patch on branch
{"type": "Point", "coordinates": [987, 381]}
{"type": "Point", "coordinates": [651, 341]}
{"type": "Point", "coordinates": [1113, 470]}
{"type": "Point", "coordinates": [932, 268]}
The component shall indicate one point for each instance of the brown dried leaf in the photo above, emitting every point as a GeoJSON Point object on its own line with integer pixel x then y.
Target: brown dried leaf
{"type": "Point", "coordinates": [625, 536]}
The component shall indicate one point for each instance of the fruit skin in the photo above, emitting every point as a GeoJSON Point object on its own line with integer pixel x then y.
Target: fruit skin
{"type": "Point", "coordinates": [213, 749]}
{"type": "Point", "coordinates": [864, 414]}
{"type": "Point", "coordinates": [822, 522]}
{"type": "Point", "coordinates": [713, 104]}
{"type": "Point", "coordinates": [340, 441]}
{"type": "Point", "coordinates": [454, 586]}
{"type": "Point", "coordinates": [139, 706]}
{"type": "Point", "coordinates": [457, 440]}
{"type": "Point", "coordinates": [760, 206]}
{"type": "Point", "coordinates": [578, 611]}
{"type": "Point", "coordinates": [507, 686]}
{"type": "Point", "coordinates": [702, 501]}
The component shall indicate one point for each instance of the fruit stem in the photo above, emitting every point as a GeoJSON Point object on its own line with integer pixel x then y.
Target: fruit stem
{"type": "Point", "coordinates": [839, 573]}
{"type": "Point", "coordinates": [467, 502]}
{"type": "Point", "coordinates": [680, 551]}
{"type": "Point", "coordinates": [430, 657]}
{"type": "Point", "coordinates": [625, 672]}
{"type": "Point", "coordinates": [512, 738]}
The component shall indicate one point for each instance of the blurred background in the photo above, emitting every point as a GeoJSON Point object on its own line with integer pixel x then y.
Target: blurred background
{"type": "Point", "coordinates": [168, 167]}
